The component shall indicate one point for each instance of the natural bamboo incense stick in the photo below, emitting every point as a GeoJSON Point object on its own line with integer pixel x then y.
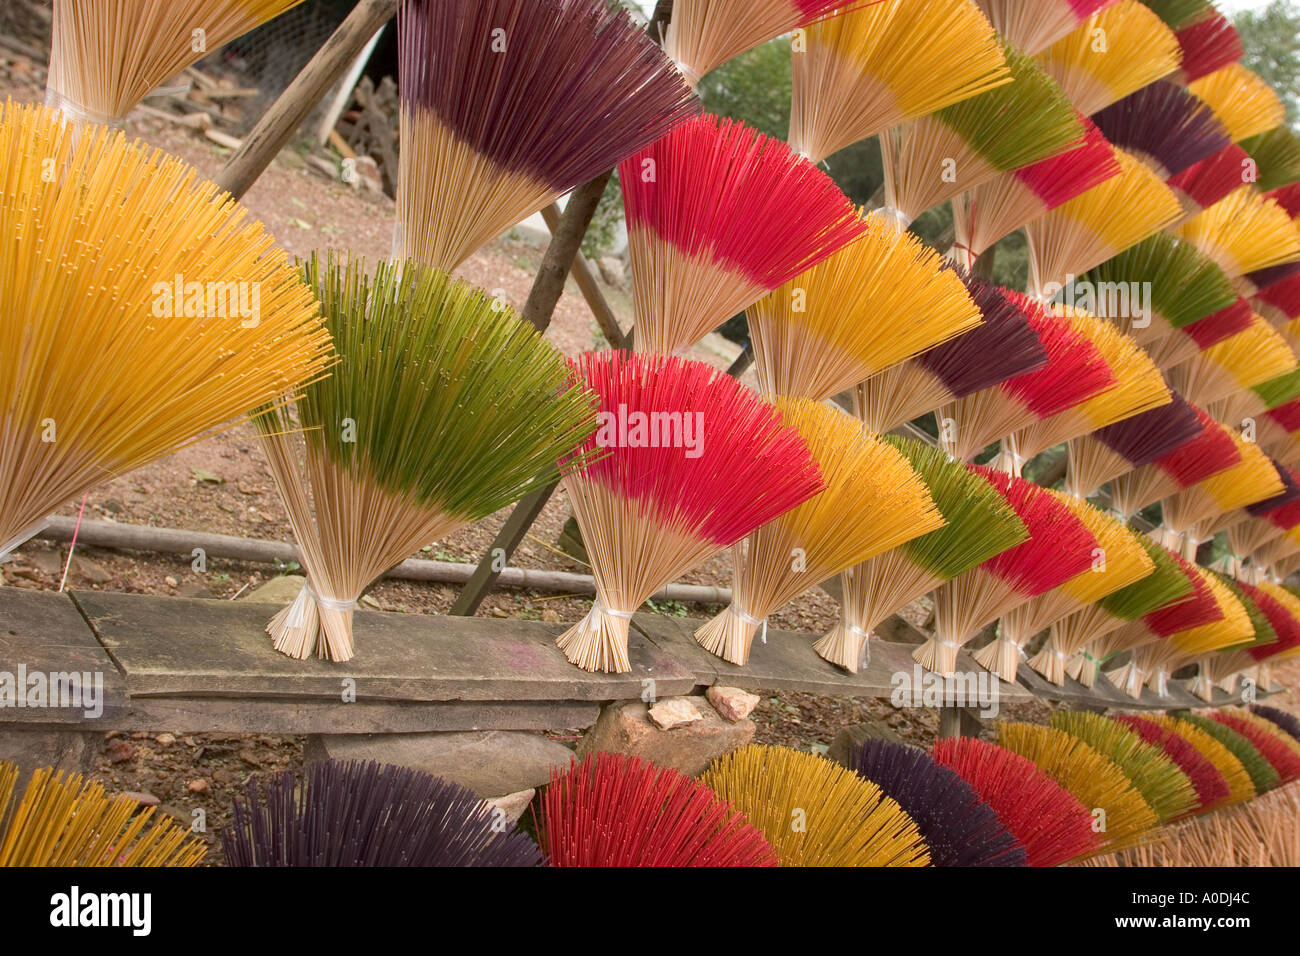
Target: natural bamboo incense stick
{"type": "Point", "coordinates": [979, 524]}
{"type": "Point", "coordinates": [136, 290]}
{"type": "Point", "coordinates": [1243, 102]}
{"type": "Point", "coordinates": [1211, 452]}
{"type": "Point", "coordinates": [1048, 820]}
{"type": "Point", "coordinates": [958, 827]}
{"type": "Point", "coordinates": [618, 810]}
{"type": "Point", "coordinates": [1034, 26]}
{"type": "Point", "coordinates": [1252, 357]}
{"type": "Point", "coordinates": [1207, 780]}
{"type": "Point", "coordinates": [1220, 665]}
{"type": "Point", "coordinates": [1127, 445]}
{"type": "Point", "coordinates": [65, 820]}
{"type": "Point", "coordinates": [873, 502]}
{"type": "Point", "coordinates": [495, 125]}
{"type": "Point", "coordinates": [1165, 126]}
{"type": "Point", "coordinates": [1004, 345]}
{"type": "Point", "coordinates": [872, 67]}
{"type": "Point", "coordinates": [1113, 53]}
{"type": "Point", "coordinates": [108, 55]}
{"type": "Point", "coordinates": [835, 325]}
{"type": "Point", "coordinates": [718, 215]}
{"type": "Point", "coordinates": [1059, 547]}
{"type": "Point", "coordinates": [845, 820]}
{"type": "Point", "coordinates": [663, 501]}
{"type": "Point", "coordinates": [1280, 302]}
{"type": "Point", "coordinates": [1191, 340]}
{"type": "Point", "coordinates": [1253, 478]}
{"type": "Point", "coordinates": [1203, 184]}
{"type": "Point", "coordinates": [354, 813]}
{"type": "Point", "coordinates": [444, 409]}
{"type": "Point", "coordinates": [1244, 232]}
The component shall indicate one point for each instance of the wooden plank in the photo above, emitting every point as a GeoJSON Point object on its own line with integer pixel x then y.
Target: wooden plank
{"type": "Point", "coordinates": [788, 662]}
{"type": "Point", "coordinates": [177, 647]}
{"type": "Point", "coordinates": [42, 633]}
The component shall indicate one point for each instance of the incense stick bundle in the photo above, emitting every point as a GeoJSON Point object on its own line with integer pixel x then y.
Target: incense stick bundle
{"type": "Point", "coordinates": [1253, 478]}
{"type": "Point", "coordinates": [1177, 14]}
{"type": "Point", "coordinates": [1068, 638]}
{"type": "Point", "coordinates": [1113, 53]}
{"type": "Point", "coordinates": [135, 288]}
{"type": "Point", "coordinates": [718, 215]}
{"type": "Point", "coordinates": [1085, 232]}
{"type": "Point", "coordinates": [444, 409]}
{"type": "Point", "coordinates": [1287, 722]}
{"type": "Point", "coordinates": [1278, 747]}
{"type": "Point", "coordinates": [1163, 785]}
{"type": "Point", "coordinates": [1201, 185]}
{"type": "Point", "coordinates": [1118, 560]}
{"type": "Point", "coordinates": [1253, 282]}
{"type": "Point", "coordinates": [1139, 388]}
{"type": "Point", "coordinates": [495, 125]}
{"type": "Point", "coordinates": [958, 827]}
{"type": "Point", "coordinates": [1263, 775]}
{"type": "Point", "coordinates": [1280, 302]}
{"type": "Point", "coordinates": [978, 525]}
{"type": "Point", "coordinates": [873, 502]}
{"type": "Point", "coordinates": [1037, 25]}
{"type": "Point", "coordinates": [1248, 514]}
{"type": "Point", "coordinates": [704, 34]}
{"type": "Point", "coordinates": [1250, 358]}
{"type": "Point", "coordinates": [1059, 547]}
{"type": "Point", "coordinates": [1267, 520]}
{"type": "Point", "coordinates": [843, 819]}
{"type": "Point", "coordinates": [1004, 345]}
{"type": "Point", "coordinates": [1243, 102]}
{"type": "Point", "coordinates": [1048, 820]}
{"type": "Point", "coordinates": [1207, 781]}
{"type": "Point", "coordinates": [1234, 773]}
{"type": "Point", "coordinates": [1163, 125]}
{"type": "Point", "coordinates": [835, 325]}
{"type": "Point", "coordinates": [1188, 342]}
{"type": "Point", "coordinates": [1075, 372]}
{"type": "Point", "coordinates": [878, 64]}
{"type": "Point", "coordinates": [106, 56]}
{"type": "Point", "coordinates": [937, 157]}
{"type": "Point", "coordinates": [1277, 159]}
{"type": "Point", "coordinates": [1095, 780]}
{"type": "Point", "coordinates": [617, 810]}
{"type": "Point", "coordinates": [1244, 232]}
{"type": "Point", "coordinates": [662, 500]}
{"type": "Point", "coordinates": [1127, 445]}
{"type": "Point", "coordinates": [1288, 197]}
{"type": "Point", "coordinates": [1211, 452]}
{"type": "Point", "coordinates": [1221, 666]}
{"type": "Point", "coordinates": [66, 820]}
{"type": "Point", "coordinates": [994, 209]}
{"type": "Point", "coordinates": [1208, 44]}
{"type": "Point", "coordinates": [355, 813]}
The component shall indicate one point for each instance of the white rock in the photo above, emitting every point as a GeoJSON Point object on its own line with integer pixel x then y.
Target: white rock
{"type": "Point", "coordinates": [732, 703]}
{"type": "Point", "coordinates": [513, 805]}
{"type": "Point", "coordinates": [674, 712]}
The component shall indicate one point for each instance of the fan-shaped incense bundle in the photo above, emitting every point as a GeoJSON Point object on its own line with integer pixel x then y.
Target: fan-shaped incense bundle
{"type": "Point", "coordinates": [1234, 773]}
{"type": "Point", "coordinates": [1118, 560]}
{"type": "Point", "coordinates": [495, 125]}
{"type": "Point", "coordinates": [1263, 775]}
{"type": "Point", "coordinates": [978, 524]}
{"type": "Point", "coordinates": [1177, 14]}
{"type": "Point", "coordinates": [1127, 445]}
{"type": "Point", "coordinates": [814, 812]}
{"type": "Point", "coordinates": [1277, 157]}
{"type": "Point", "coordinates": [874, 501]}
{"type": "Point", "coordinates": [1113, 53]}
{"type": "Point", "coordinates": [1065, 649]}
{"type": "Point", "coordinates": [1253, 478]}
{"type": "Point", "coordinates": [1280, 302]}
{"type": "Point", "coordinates": [1287, 722]}
{"type": "Point", "coordinates": [1255, 401]}
{"type": "Point", "coordinates": [106, 55]}
{"type": "Point", "coordinates": [959, 828]}
{"type": "Point", "coordinates": [937, 157]}
{"type": "Point", "coordinates": [1208, 44]}
{"type": "Point", "coordinates": [444, 409]}
{"type": "Point", "coordinates": [616, 810]}
{"type": "Point", "coordinates": [718, 215]}
{"type": "Point", "coordinates": [1249, 358]}
{"type": "Point", "coordinates": [1139, 388]}
{"type": "Point", "coordinates": [1278, 747]}
{"type": "Point", "coordinates": [1075, 372]}
{"type": "Point", "coordinates": [130, 289]}
{"type": "Point", "coordinates": [1201, 185]}
{"type": "Point", "coordinates": [704, 34]}
{"type": "Point", "coordinates": [1288, 197]}
{"type": "Point", "coordinates": [1243, 102]}
{"type": "Point", "coordinates": [1036, 25]}
{"type": "Point", "coordinates": [354, 813]}
{"type": "Point", "coordinates": [1244, 232]}
{"type": "Point", "coordinates": [835, 325]}
{"type": "Point", "coordinates": [1045, 818]}
{"type": "Point", "coordinates": [1004, 345]}
{"type": "Point", "coordinates": [1208, 782]}
{"type": "Point", "coordinates": [1166, 127]}
{"type": "Point", "coordinates": [1009, 200]}
{"type": "Point", "coordinates": [1059, 547]}
{"type": "Point", "coordinates": [1084, 232]}
{"type": "Point", "coordinates": [1222, 666]}
{"type": "Point", "coordinates": [875, 65]}
{"type": "Point", "coordinates": [1120, 814]}
{"type": "Point", "coordinates": [1163, 785]}
{"type": "Point", "coordinates": [65, 820]}
{"type": "Point", "coordinates": [1188, 342]}
{"type": "Point", "coordinates": [1212, 451]}
{"type": "Point", "coordinates": [677, 436]}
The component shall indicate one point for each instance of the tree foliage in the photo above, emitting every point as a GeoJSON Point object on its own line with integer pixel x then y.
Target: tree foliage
{"type": "Point", "coordinates": [1271, 38]}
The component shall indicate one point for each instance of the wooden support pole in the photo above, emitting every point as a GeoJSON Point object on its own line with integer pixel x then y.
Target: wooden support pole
{"type": "Point", "coordinates": [498, 555]}
{"type": "Point", "coordinates": [949, 722]}
{"type": "Point", "coordinates": [586, 280]}
{"type": "Point", "coordinates": [308, 88]}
